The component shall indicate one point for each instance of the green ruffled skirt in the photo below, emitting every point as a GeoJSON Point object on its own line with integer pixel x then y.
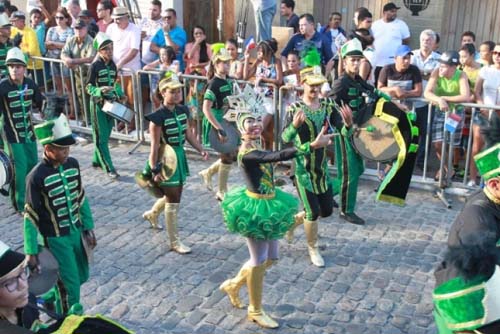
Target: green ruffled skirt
{"type": "Point", "coordinates": [259, 218]}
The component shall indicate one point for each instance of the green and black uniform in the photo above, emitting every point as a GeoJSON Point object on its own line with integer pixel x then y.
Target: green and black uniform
{"type": "Point", "coordinates": [57, 209]}
{"type": "Point", "coordinates": [173, 132]}
{"type": "Point", "coordinates": [311, 173]}
{"type": "Point", "coordinates": [350, 164]}
{"type": "Point", "coordinates": [16, 102]}
{"type": "Point", "coordinates": [102, 74]}
{"type": "Point", "coordinates": [217, 92]}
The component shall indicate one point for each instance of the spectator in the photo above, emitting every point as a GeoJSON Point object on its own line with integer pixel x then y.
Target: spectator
{"type": "Point", "coordinates": [29, 45]}
{"type": "Point", "coordinates": [335, 36]}
{"type": "Point", "coordinates": [435, 47]}
{"type": "Point", "coordinates": [287, 10]}
{"type": "Point", "coordinates": [5, 45]}
{"type": "Point", "coordinates": [389, 33]}
{"type": "Point", "coordinates": [426, 60]}
{"type": "Point", "coordinates": [39, 25]}
{"type": "Point", "coordinates": [79, 51]}
{"type": "Point", "coordinates": [485, 50]}
{"type": "Point", "coordinates": [468, 65]}
{"type": "Point", "coordinates": [235, 65]}
{"type": "Point", "coordinates": [309, 36]}
{"type": "Point", "coordinates": [74, 9]}
{"type": "Point", "coordinates": [447, 86]}
{"type": "Point", "coordinates": [366, 62]}
{"type": "Point", "coordinates": [86, 16]}
{"type": "Point", "coordinates": [362, 18]}
{"type": "Point", "coordinates": [267, 69]}
{"type": "Point", "coordinates": [104, 9]}
{"type": "Point", "coordinates": [264, 14]}
{"type": "Point", "coordinates": [149, 26]}
{"type": "Point", "coordinates": [55, 41]}
{"type": "Point", "coordinates": [468, 37]}
{"type": "Point", "coordinates": [166, 62]}
{"type": "Point", "coordinates": [486, 92]}
{"type": "Point", "coordinates": [171, 35]}
{"type": "Point", "coordinates": [126, 38]}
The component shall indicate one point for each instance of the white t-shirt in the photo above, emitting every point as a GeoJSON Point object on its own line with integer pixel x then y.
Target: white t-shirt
{"type": "Point", "coordinates": [150, 27]}
{"type": "Point", "coordinates": [491, 85]}
{"type": "Point", "coordinates": [388, 36]}
{"type": "Point", "coordinates": [123, 41]}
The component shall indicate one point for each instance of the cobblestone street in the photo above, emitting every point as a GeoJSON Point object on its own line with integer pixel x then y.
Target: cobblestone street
{"type": "Point", "coordinates": [378, 277]}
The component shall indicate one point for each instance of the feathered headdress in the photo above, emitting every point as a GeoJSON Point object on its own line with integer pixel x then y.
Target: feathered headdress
{"type": "Point", "coordinates": [246, 104]}
{"type": "Point", "coordinates": [311, 73]}
{"type": "Point", "coordinates": [219, 52]}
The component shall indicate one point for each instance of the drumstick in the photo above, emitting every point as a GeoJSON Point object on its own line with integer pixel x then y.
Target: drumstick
{"type": "Point", "coordinates": [369, 128]}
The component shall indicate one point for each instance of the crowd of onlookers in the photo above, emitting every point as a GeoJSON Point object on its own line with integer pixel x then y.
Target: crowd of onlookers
{"type": "Point", "coordinates": [157, 42]}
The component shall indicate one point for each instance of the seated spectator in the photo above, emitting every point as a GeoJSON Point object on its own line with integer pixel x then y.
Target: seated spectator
{"type": "Point", "coordinates": [87, 18]}
{"type": "Point", "coordinates": [55, 41]}
{"type": "Point", "coordinates": [485, 50]}
{"type": "Point", "coordinates": [235, 65]}
{"type": "Point", "coordinates": [266, 69]}
{"type": "Point", "coordinates": [29, 45]}
{"type": "Point", "coordinates": [309, 36]}
{"type": "Point", "coordinates": [447, 86]}
{"type": "Point", "coordinates": [486, 92]}
{"type": "Point", "coordinates": [286, 10]}
{"type": "Point", "coordinates": [104, 9]}
{"type": "Point", "coordinates": [171, 35]}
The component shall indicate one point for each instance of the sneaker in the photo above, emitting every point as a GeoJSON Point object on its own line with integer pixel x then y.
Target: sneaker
{"type": "Point", "coordinates": [113, 175]}
{"type": "Point", "coordinates": [351, 218]}
{"type": "Point", "coordinates": [472, 183]}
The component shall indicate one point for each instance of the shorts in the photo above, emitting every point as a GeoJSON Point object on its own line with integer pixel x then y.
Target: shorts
{"type": "Point", "coordinates": [438, 127]}
{"type": "Point", "coordinates": [480, 120]}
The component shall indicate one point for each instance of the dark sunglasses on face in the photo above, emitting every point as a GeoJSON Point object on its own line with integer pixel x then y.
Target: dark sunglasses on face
{"type": "Point", "coordinates": [59, 17]}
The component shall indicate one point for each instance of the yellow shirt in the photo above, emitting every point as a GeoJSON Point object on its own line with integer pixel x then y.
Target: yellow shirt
{"type": "Point", "coordinates": [29, 46]}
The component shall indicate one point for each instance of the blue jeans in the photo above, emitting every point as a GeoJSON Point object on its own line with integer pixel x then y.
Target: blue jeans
{"type": "Point", "coordinates": [263, 23]}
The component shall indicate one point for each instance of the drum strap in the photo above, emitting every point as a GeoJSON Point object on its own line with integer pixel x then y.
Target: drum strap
{"type": "Point", "coordinates": [397, 182]}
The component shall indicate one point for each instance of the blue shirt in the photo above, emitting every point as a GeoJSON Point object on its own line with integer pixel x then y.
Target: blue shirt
{"type": "Point", "coordinates": [178, 36]}
{"type": "Point", "coordinates": [40, 31]}
{"type": "Point", "coordinates": [298, 41]}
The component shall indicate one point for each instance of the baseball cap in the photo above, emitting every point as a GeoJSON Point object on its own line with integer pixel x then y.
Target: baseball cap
{"type": "Point", "coordinates": [17, 15]}
{"type": "Point", "coordinates": [85, 13]}
{"type": "Point", "coordinates": [390, 6]}
{"type": "Point", "coordinates": [403, 50]}
{"type": "Point", "coordinates": [79, 24]}
{"type": "Point", "coordinates": [449, 58]}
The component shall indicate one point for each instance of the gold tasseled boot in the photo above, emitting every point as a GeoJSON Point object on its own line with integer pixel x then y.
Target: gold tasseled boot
{"type": "Point", "coordinates": [299, 220]}
{"type": "Point", "coordinates": [171, 210]}
{"type": "Point", "coordinates": [223, 176]}
{"type": "Point", "coordinates": [152, 215]}
{"type": "Point", "coordinates": [233, 285]}
{"type": "Point", "coordinates": [255, 282]}
{"type": "Point", "coordinates": [311, 229]}
{"type": "Point", "coordinates": [206, 174]}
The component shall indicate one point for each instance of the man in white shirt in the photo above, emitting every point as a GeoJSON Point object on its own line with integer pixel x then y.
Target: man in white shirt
{"type": "Point", "coordinates": [149, 26]}
{"type": "Point", "coordinates": [389, 33]}
{"type": "Point", "coordinates": [126, 38]}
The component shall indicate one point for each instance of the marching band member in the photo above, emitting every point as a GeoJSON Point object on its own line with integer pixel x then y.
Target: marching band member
{"type": "Point", "coordinates": [57, 209]}
{"type": "Point", "coordinates": [260, 212]}
{"type": "Point", "coordinates": [219, 88]}
{"type": "Point", "coordinates": [18, 95]}
{"type": "Point", "coordinates": [168, 126]}
{"type": "Point", "coordinates": [102, 84]}
{"type": "Point", "coordinates": [468, 280]}
{"type": "Point", "coordinates": [311, 172]}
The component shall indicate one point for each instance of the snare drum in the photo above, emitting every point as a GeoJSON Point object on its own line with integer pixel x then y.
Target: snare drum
{"type": "Point", "coordinates": [6, 171]}
{"type": "Point", "coordinates": [119, 111]}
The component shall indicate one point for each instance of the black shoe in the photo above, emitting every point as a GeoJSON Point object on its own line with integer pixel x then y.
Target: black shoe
{"type": "Point", "coordinates": [352, 218]}
{"type": "Point", "coordinates": [335, 204]}
{"type": "Point", "coordinates": [113, 175]}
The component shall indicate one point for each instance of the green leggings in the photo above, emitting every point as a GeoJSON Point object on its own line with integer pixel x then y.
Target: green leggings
{"type": "Point", "coordinates": [102, 125]}
{"type": "Point", "coordinates": [24, 157]}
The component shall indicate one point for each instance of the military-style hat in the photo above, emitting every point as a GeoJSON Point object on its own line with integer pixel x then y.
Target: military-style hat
{"type": "Point", "coordinates": [312, 76]}
{"type": "Point", "coordinates": [15, 56]}
{"type": "Point", "coordinates": [101, 40]}
{"type": "Point", "coordinates": [9, 260]}
{"type": "Point", "coordinates": [219, 53]}
{"type": "Point", "coordinates": [169, 80]}
{"type": "Point", "coordinates": [488, 162]}
{"type": "Point", "coordinates": [352, 48]}
{"type": "Point", "coordinates": [56, 132]}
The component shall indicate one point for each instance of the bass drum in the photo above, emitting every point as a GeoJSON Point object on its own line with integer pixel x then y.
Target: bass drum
{"type": "Point", "coordinates": [374, 139]}
{"type": "Point", "coordinates": [6, 169]}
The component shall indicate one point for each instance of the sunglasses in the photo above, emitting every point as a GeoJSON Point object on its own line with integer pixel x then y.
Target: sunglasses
{"type": "Point", "coordinates": [496, 53]}
{"type": "Point", "coordinates": [59, 17]}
